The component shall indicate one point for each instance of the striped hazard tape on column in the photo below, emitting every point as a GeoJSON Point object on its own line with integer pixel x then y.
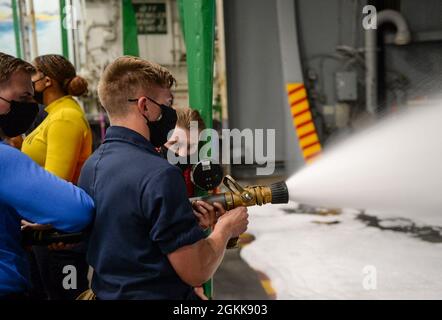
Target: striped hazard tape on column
{"type": "Point", "coordinates": [303, 121]}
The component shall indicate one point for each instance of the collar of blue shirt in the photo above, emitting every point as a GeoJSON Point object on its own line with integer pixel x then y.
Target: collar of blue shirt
{"type": "Point", "coordinates": [117, 133]}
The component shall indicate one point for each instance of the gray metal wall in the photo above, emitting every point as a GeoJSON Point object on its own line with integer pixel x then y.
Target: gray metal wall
{"type": "Point", "coordinates": [323, 25]}
{"type": "Point", "coordinates": [255, 78]}
{"type": "Point", "coordinates": [254, 70]}
{"type": "Point", "coordinates": [421, 61]}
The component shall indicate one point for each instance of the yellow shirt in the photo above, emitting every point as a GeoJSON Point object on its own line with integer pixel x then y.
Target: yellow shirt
{"type": "Point", "coordinates": [63, 141]}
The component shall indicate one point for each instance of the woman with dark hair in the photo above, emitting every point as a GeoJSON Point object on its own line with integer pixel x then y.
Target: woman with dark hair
{"type": "Point", "coordinates": [63, 141]}
{"type": "Point", "coordinates": [60, 144]}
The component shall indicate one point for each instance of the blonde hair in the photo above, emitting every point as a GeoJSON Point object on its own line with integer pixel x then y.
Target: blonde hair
{"type": "Point", "coordinates": [186, 115]}
{"type": "Point", "coordinates": [123, 78]}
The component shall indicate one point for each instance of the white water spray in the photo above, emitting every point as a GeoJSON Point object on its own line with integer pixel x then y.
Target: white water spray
{"type": "Point", "coordinates": [396, 165]}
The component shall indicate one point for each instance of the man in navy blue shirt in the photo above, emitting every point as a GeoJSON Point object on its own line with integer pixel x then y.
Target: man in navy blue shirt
{"type": "Point", "coordinates": [26, 190]}
{"type": "Point", "coordinates": [146, 242]}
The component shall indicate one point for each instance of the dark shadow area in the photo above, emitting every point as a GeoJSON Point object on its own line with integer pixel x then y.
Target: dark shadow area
{"type": "Point", "coordinates": [235, 280]}
{"type": "Point", "coordinates": [423, 232]}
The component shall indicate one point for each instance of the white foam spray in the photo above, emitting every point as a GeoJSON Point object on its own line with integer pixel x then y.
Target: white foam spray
{"type": "Point", "coordinates": [395, 165]}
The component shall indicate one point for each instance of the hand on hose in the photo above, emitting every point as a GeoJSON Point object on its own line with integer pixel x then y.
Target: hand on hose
{"type": "Point", "coordinates": [207, 214]}
{"type": "Point", "coordinates": [235, 221]}
{"type": "Point", "coordinates": [61, 246]}
{"type": "Point", "coordinates": [26, 225]}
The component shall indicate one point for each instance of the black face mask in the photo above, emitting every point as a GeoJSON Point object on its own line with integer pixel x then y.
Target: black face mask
{"type": "Point", "coordinates": [20, 117]}
{"type": "Point", "coordinates": [160, 128]}
{"type": "Point", "coordinates": [38, 96]}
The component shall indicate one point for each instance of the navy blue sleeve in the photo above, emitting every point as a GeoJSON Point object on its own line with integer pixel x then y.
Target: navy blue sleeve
{"type": "Point", "coordinates": [39, 196]}
{"type": "Point", "coordinates": [166, 206]}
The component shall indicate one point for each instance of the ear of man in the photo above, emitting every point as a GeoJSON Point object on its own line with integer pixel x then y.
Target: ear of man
{"type": "Point", "coordinates": [143, 108]}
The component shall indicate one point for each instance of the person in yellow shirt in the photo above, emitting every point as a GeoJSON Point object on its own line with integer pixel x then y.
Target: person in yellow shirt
{"type": "Point", "coordinates": [60, 144]}
{"type": "Point", "coordinates": [63, 141]}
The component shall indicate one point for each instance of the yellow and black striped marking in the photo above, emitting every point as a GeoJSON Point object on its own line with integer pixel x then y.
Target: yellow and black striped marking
{"type": "Point", "coordinates": [303, 121]}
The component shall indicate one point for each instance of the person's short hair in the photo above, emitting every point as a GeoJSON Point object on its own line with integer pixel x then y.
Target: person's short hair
{"type": "Point", "coordinates": [9, 65]}
{"type": "Point", "coordinates": [123, 78]}
{"type": "Point", "coordinates": [186, 115]}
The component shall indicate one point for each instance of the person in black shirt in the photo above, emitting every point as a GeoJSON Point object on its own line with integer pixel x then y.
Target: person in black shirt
{"type": "Point", "coordinates": [146, 242]}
